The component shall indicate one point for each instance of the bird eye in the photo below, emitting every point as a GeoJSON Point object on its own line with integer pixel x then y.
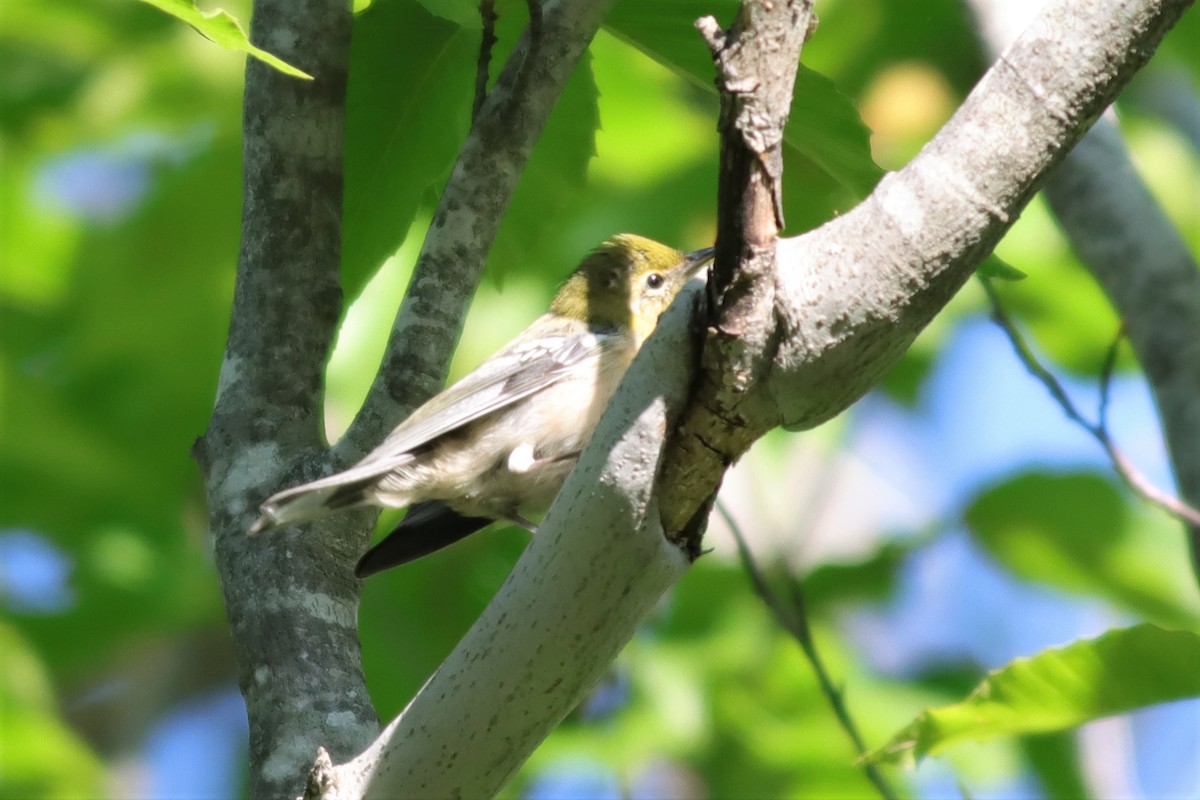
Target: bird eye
{"type": "Point", "coordinates": [654, 280]}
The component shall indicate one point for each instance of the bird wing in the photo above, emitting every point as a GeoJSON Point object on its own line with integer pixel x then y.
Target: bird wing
{"type": "Point", "coordinates": [427, 527]}
{"type": "Point", "coordinates": [525, 367]}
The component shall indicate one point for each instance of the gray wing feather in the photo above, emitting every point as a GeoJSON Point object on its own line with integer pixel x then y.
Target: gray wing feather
{"type": "Point", "coordinates": [523, 369]}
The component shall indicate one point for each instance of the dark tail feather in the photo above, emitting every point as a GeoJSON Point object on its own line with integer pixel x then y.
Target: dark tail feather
{"type": "Point", "coordinates": [427, 527]}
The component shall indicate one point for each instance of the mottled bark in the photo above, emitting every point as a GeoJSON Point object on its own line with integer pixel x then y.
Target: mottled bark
{"type": "Point", "coordinates": [291, 600]}
{"type": "Point", "coordinates": [291, 597]}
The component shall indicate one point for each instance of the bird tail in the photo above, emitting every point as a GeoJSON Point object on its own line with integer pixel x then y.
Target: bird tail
{"type": "Point", "coordinates": [316, 499]}
{"type": "Point", "coordinates": [427, 527]}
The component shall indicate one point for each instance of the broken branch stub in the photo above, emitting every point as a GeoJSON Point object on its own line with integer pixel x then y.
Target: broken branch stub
{"type": "Point", "coordinates": [756, 61]}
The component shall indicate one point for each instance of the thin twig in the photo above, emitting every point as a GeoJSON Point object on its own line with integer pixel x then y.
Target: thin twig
{"type": "Point", "coordinates": [487, 13]}
{"type": "Point", "coordinates": [1106, 373]}
{"type": "Point", "coordinates": [795, 621]}
{"type": "Point", "coordinates": [1138, 483]}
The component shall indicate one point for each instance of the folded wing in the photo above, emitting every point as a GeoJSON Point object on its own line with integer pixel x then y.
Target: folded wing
{"type": "Point", "coordinates": [523, 368]}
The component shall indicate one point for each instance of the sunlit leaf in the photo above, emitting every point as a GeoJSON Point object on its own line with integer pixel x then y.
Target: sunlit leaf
{"type": "Point", "coordinates": [1054, 758]}
{"type": "Point", "coordinates": [407, 111]}
{"type": "Point", "coordinates": [1121, 671]}
{"type": "Point", "coordinates": [223, 28]}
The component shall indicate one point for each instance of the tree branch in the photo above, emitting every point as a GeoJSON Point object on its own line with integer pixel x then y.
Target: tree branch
{"type": "Point", "coordinates": [852, 295]}
{"type": "Point", "coordinates": [468, 216]}
{"type": "Point", "coordinates": [596, 568]}
{"type": "Point", "coordinates": [843, 304]}
{"type": "Point", "coordinates": [1122, 235]}
{"type": "Point", "coordinates": [1138, 483]}
{"type": "Point", "coordinates": [847, 300]}
{"type": "Point", "coordinates": [756, 70]}
{"type": "Point", "coordinates": [294, 629]}
{"type": "Point", "coordinates": [487, 18]}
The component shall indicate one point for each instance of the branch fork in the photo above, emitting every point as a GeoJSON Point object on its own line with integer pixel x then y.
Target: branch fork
{"type": "Point", "coordinates": [756, 63]}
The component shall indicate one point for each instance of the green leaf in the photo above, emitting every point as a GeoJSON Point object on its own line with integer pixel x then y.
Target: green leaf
{"type": "Point", "coordinates": [1060, 688]}
{"type": "Point", "coordinates": [223, 28]}
{"type": "Point", "coordinates": [42, 756]}
{"type": "Point", "coordinates": [554, 178]}
{"type": "Point", "coordinates": [1075, 531]}
{"type": "Point", "coordinates": [824, 126]}
{"type": "Point", "coordinates": [1054, 758]}
{"type": "Point", "coordinates": [995, 267]}
{"type": "Point", "coordinates": [464, 13]}
{"type": "Point", "coordinates": [407, 110]}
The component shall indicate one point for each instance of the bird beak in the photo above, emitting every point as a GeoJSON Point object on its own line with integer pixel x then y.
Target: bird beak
{"type": "Point", "coordinates": [692, 262]}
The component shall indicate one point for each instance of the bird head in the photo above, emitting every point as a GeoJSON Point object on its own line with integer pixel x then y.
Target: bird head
{"type": "Point", "coordinates": [627, 282]}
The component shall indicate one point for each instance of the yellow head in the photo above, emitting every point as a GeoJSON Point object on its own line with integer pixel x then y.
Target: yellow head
{"type": "Point", "coordinates": [627, 282]}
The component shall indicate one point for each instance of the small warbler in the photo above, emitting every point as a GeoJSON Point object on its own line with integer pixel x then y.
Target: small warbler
{"type": "Point", "coordinates": [502, 439]}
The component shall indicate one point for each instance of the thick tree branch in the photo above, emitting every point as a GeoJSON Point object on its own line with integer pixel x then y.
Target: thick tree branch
{"type": "Point", "coordinates": [596, 568]}
{"type": "Point", "coordinates": [756, 69]}
{"type": "Point", "coordinates": [859, 288]}
{"type": "Point", "coordinates": [847, 300]}
{"type": "Point", "coordinates": [468, 216]}
{"type": "Point", "coordinates": [1125, 239]}
{"type": "Point", "coordinates": [291, 601]}
{"type": "Point", "coordinates": [851, 296]}
{"type": "Point", "coordinates": [292, 598]}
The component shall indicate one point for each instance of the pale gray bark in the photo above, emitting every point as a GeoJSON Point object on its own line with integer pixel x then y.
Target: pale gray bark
{"type": "Point", "coordinates": [919, 236]}
{"type": "Point", "coordinates": [847, 300]}
{"type": "Point", "coordinates": [593, 572]}
{"type": "Point", "coordinates": [1122, 235]}
{"type": "Point", "coordinates": [852, 295]}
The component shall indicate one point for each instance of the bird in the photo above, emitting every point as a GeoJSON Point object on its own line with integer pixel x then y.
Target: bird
{"type": "Point", "coordinates": [501, 441]}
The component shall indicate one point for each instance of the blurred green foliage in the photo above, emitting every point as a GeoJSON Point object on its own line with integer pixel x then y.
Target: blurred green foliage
{"type": "Point", "coordinates": [120, 197]}
{"type": "Point", "coordinates": [1075, 531]}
